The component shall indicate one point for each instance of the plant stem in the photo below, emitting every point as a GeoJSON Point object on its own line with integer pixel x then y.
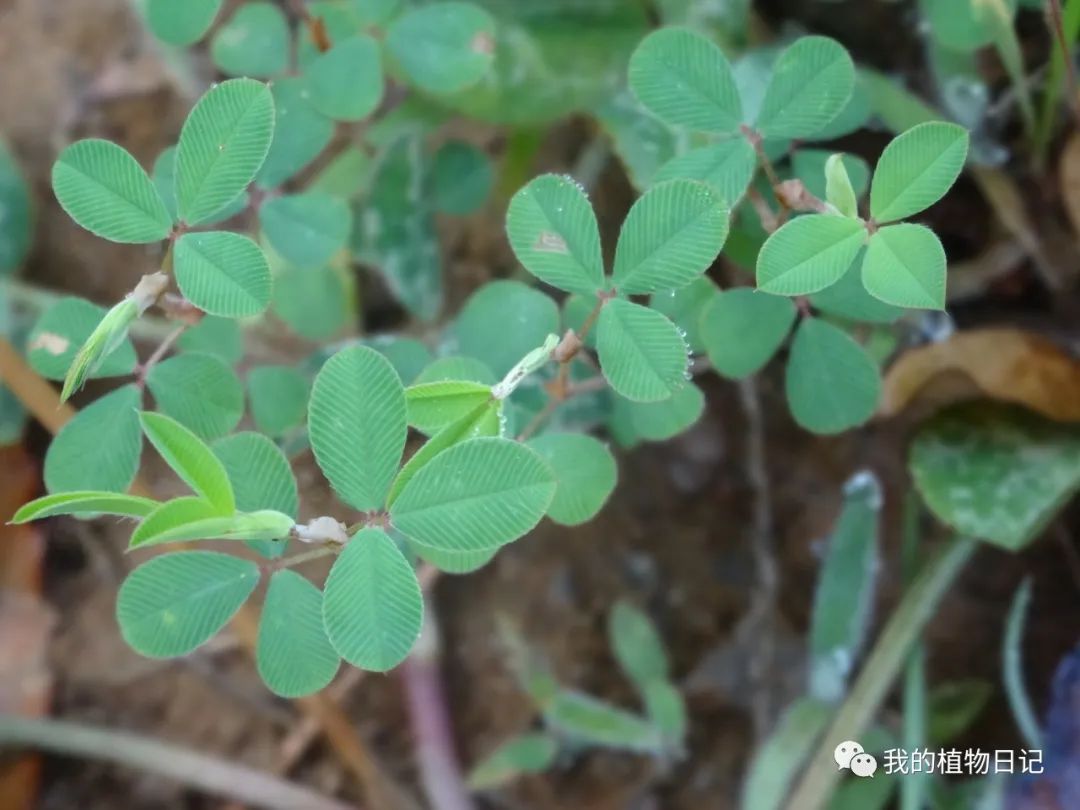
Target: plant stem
{"type": "Point", "coordinates": [1065, 26]}
{"type": "Point", "coordinates": [880, 670]}
{"type": "Point", "coordinates": [159, 353]}
{"type": "Point", "coordinates": [1013, 669]}
{"type": "Point", "coordinates": [913, 789]}
{"type": "Point", "coordinates": [433, 739]}
{"type": "Point", "coordinates": [299, 559]}
{"type": "Point", "coordinates": [173, 762]}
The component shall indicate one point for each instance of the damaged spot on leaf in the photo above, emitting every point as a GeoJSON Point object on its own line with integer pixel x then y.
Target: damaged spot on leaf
{"type": "Point", "coordinates": [51, 342]}
{"type": "Point", "coordinates": [550, 242]}
{"type": "Point", "coordinates": [483, 43]}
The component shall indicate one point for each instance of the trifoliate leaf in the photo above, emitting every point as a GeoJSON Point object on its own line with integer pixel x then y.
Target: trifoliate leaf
{"type": "Point", "coordinates": [808, 254]}
{"type": "Point", "coordinates": [106, 431]}
{"type": "Point", "coordinates": [261, 479]}
{"type": "Point", "coordinates": [192, 460]}
{"type": "Point", "coordinates": [85, 503]}
{"type": "Point", "coordinates": [254, 42]}
{"type": "Point", "coordinates": [223, 273]}
{"type": "Point", "coordinates": [181, 23]}
{"type": "Point", "coordinates": [104, 189]}
{"type": "Point", "coordinates": [444, 47]}
{"type": "Point", "coordinates": [553, 232]}
{"type": "Point", "coordinates": [475, 496]}
{"type": "Point", "coordinates": [59, 333]}
{"type": "Point", "coordinates": [527, 753]}
{"type": "Point", "coordinates": [199, 391]}
{"type": "Point", "coordinates": [174, 603]}
{"type": "Point", "coordinates": [461, 178]}
{"type": "Point", "coordinates": [916, 169]}
{"type": "Point", "coordinates": [743, 328]}
{"type": "Point", "coordinates": [905, 266]}
{"type": "Point", "coordinates": [998, 474]}
{"type": "Point", "coordinates": [293, 655]}
{"type": "Point", "coordinates": [502, 321]}
{"type": "Point", "coordinates": [832, 384]}
{"type": "Point", "coordinates": [278, 397]}
{"type": "Point", "coordinates": [300, 133]}
{"type": "Point", "coordinates": [372, 607]}
{"type": "Point", "coordinates": [810, 84]}
{"type": "Point", "coordinates": [642, 354]}
{"type": "Point", "coordinates": [585, 474]}
{"type": "Point", "coordinates": [670, 237]}
{"type": "Point", "coordinates": [222, 146]}
{"type": "Point", "coordinates": [357, 425]}
{"type": "Point", "coordinates": [685, 80]}
{"type": "Point", "coordinates": [726, 166]}
{"type": "Point", "coordinates": [306, 229]}
{"type": "Point", "coordinates": [346, 82]}
{"type": "Point", "coordinates": [313, 301]}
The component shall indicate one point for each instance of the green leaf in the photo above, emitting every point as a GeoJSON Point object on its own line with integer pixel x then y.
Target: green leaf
{"type": "Point", "coordinates": [357, 425]}
{"type": "Point", "coordinates": [636, 644]}
{"type": "Point", "coordinates": [222, 146]}
{"type": "Point", "coordinates": [181, 22]}
{"type": "Point", "coordinates": [107, 431]}
{"type": "Point", "coordinates": [905, 266]}
{"type": "Point", "coordinates": [685, 80]}
{"type": "Point", "coordinates": [592, 722]}
{"type": "Point", "coordinates": [435, 405]}
{"type": "Point", "coordinates": [670, 237]}
{"type": "Point", "coordinates": [839, 191]}
{"type": "Point", "coordinates": [475, 496]}
{"type": "Point", "coordinates": [300, 132]}
{"type": "Point", "coordinates": [16, 215]}
{"type": "Point", "coordinates": [742, 329]}
{"type": "Point", "coordinates": [916, 169]}
{"type": "Point", "coordinates": [585, 475]}
{"type": "Point", "coordinates": [844, 596]}
{"type": "Point", "coordinates": [641, 142]}
{"type": "Point", "coordinates": [347, 174]}
{"type": "Point", "coordinates": [483, 420]}
{"type": "Point", "coordinates": [481, 329]}
{"type": "Point", "coordinates": [397, 229]}
{"type": "Point", "coordinates": [278, 397]}
{"type": "Point", "coordinates": [254, 42]}
{"type": "Point", "coordinates": [176, 514]}
{"type": "Point", "coordinates": [953, 706]}
{"type": "Point", "coordinates": [174, 603]}
{"type": "Point", "coordinates": [461, 178]}
{"type": "Point", "coordinates": [666, 709]}
{"type": "Point", "coordinates": [832, 384]}
{"type": "Point", "coordinates": [346, 82]}
{"type": "Point", "coordinates": [293, 655]}
{"type": "Point", "coordinates": [777, 762]}
{"type": "Point", "coordinates": [104, 189]}
{"type": "Point", "coordinates": [407, 355]}
{"type": "Point", "coordinates": [217, 336]}
{"type": "Point", "coordinates": [685, 306]}
{"type": "Point", "coordinates": [456, 367]}
{"type": "Point", "coordinates": [553, 232]}
{"type": "Point", "coordinates": [966, 25]}
{"type": "Point", "coordinates": [444, 47]}
{"type": "Point", "coordinates": [642, 354]}
{"type": "Point", "coordinates": [372, 607]}
{"type": "Point", "coordinates": [163, 176]}
{"type": "Point", "coordinates": [85, 503]}
{"type": "Point", "coordinates": [452, 562]}
{"type": "Point", "coordinates": [657, 421]}
{"type": "Point", "coordinates": [60, 331]}
{"type": "Point", "coordinates": [526, 753]}
{"type": "Point", "coordinates": [223, 273]}
{"type": "Point", "coordinates": [848, 299]}
{"type": "Point", "coordinates": [306, 229]}
{"type": "Point", "coordinates": [810, 165]}
{"type": "Point", "coordinates": [811, 83]}
{"type": "Point", "coordinates": [192, 460]}
{"type": "Point", "coordinates": [261, 479]}
{"type": "Point", "coordinates": [998, 474]}
{"type": "Point", "coordinates": [313, 301]}
{"type": "Point", "coordinates": [186, 519]}
{"type": "Point", "coordinates": [199, 391]}
{"type": "Point", "coordinates": [727, 166]}
{"type": "Point", "coordinates": [808, 254]}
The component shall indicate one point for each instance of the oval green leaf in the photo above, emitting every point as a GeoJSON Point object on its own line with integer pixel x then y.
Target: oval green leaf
{"type": "Point", "coordinates": [306, 229]}
{"type": "Point", "coordinates": [199, 391]}
{"type": "Point", "coordinates": [223, 273]}
{"type": "Point", "coordinates": [444, 47]}
{"type": "Point", "coordinates": [300, 133]}
{"type": "Point", "coordinates": [435, 405]}
{"type": "Point", "coordinates": [809, 254]}
{"type": "Point", "coordinates": [727, 166]}
{"type": "Point", "coordinates": [181, 22]}
{"type": "Point", "coordinates": [278, 396]}
{"type": "Point", "coordinates": [85, 503]}
{"type": "Point", "coordinates": [104, 189]}
{"type": "Point", "coordinates": [905, 266]}
{"type": "Point", "coordinates": [346, 82]}
{"type": "Point", "coordinates": [916, 169]}
{"type": "Point", "coordinates": [585, 475]}
{"type": "Point", "coordinates": [642, 353]}
{"type": "Point", "coordinates": [372, 607]}
{"type": "Point", "coordinates": [742, 329]}
{"type": "Point", "coordinates": [192, 460]}
{"type": "Point", "coordinates": [810, 84]}
{"type": "Point", "coordinates": [293, 655]}
{"type": "Point", "coordinates": [61, 330]}
{"type": "Point", "coordinates": [254, 42]}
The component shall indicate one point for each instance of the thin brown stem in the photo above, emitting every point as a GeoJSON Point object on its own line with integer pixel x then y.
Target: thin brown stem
{"type": "Point", "coordinates": [299, 559]}
{"type": "Point", "coordinates": [143, 371]}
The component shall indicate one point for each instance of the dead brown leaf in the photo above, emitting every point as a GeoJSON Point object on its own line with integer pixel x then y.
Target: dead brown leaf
{"type": "Point", "coordinates": [1003, 364]}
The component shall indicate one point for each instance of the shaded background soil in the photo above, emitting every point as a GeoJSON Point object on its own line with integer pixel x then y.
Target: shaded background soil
{"type": "Point", "coordinates": [675, 538]}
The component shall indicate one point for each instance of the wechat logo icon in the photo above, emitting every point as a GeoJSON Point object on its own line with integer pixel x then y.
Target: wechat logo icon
{"type": "Point", "coordinates": [850, 755]}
